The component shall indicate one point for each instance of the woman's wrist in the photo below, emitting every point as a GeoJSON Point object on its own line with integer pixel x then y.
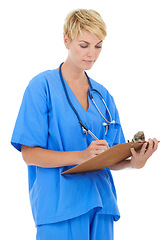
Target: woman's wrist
{"type": "Point", "coordinates": [82, 156]}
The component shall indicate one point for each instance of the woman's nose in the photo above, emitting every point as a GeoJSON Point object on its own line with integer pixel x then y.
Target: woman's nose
{"type": "Point", "coordinates": [91, 52]}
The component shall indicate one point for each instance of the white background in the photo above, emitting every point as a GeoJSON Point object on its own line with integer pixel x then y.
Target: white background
{"type": "Point", "coordinates": [132, 66]}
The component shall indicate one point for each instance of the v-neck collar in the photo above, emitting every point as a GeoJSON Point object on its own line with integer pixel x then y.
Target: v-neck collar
{"type": "Point", "coordinates": [74, 97]}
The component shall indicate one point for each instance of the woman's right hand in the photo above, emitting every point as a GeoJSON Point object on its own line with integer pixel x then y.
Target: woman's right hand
{"type": "Point", "coordinates": [95, 148]}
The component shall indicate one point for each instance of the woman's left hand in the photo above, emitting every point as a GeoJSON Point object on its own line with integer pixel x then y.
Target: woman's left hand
{"type": "Point", "coordinates": [140, 158]}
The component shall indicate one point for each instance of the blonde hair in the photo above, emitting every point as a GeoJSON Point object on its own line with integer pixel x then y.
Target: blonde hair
{"type": "Point", "coordinates": [89, 20]}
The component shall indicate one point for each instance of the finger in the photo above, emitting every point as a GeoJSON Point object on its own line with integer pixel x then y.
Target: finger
{"type": "Point", "coordinates": [150, 149]}
{"type": "Point", "coordinates": [143, 149]}
{"type": "Point", "coordinates": [150, 144]}
{"type": "Point", "coordinates": [155, 145]}
{"type": "Point", "coordinates": [134, 153]}
{"type": "Point", "coordinates": [101, 147]}
{"type": "Point", "coordinates": [101, 142]}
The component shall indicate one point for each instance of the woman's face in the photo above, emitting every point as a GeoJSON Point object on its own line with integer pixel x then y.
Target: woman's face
{"type": "Point", "coordinates": [84, 50]}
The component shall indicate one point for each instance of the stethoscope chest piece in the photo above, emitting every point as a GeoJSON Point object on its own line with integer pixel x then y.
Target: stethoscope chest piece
{"type": "Point", "coordinates": [106, 125]}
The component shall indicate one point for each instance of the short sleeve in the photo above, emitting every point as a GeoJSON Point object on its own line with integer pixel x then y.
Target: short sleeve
{"type": "Point", "coordinates": [31, 127]}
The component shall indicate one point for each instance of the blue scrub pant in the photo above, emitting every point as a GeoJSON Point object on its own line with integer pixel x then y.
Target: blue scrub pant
{"type": "Point", "coordinates": [90, 226]}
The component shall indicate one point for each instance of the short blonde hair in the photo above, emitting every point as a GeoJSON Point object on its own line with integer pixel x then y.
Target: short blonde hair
{"type": "Point", "coordinates": [89, 20]}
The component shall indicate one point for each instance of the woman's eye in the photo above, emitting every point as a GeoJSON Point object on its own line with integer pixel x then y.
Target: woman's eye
{"type": "Point", "coordinates": [86, 46]}
{"type": "Point", "coordinates": [98, 46]}
{"type": "Point", "coordinates": [83, 46]}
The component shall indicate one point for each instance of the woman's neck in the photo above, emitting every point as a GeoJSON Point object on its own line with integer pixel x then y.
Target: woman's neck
{"type": "Point", "coordinates": [72, 73]}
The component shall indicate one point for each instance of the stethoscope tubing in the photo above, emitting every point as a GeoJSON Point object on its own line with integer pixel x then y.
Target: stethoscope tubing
{"type": "Point", "coordinates": [91, 97]}
{"type": "Point", "coordinates": [67, 95]}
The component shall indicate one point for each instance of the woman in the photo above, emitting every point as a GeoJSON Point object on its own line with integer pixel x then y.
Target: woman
{"type": "Point", "coordinates": [78, 206]}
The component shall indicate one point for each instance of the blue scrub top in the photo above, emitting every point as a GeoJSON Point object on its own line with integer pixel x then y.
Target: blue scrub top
{"type": "Point", "coordinates": [46, 120]}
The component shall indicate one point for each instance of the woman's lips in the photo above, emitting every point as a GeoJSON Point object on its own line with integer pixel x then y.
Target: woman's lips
{"type": "Point", "coordinates": [88, 61]}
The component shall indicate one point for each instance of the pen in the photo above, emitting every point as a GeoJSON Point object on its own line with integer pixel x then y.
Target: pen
{"type": "Point", "coordinates": [92, 135]}
{"type": "Point", "coordinates": [87, 130]}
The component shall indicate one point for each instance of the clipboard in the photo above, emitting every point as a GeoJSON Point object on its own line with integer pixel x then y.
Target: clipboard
{"type": "Point", "coordinates": [110, 157]}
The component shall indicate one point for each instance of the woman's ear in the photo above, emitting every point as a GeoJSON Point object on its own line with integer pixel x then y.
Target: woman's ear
{"type": "Point", "coordinates": [66, 41]}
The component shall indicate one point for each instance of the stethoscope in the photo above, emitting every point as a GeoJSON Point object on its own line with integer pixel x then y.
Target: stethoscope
{"type": "Point", "coordinates": [85, 129]}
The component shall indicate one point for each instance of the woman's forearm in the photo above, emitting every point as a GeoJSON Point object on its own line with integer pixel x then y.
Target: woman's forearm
{"type": "Point", "coordinates": [121, 165]}
{"type": "Point", "coordinates": [49, 159]}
